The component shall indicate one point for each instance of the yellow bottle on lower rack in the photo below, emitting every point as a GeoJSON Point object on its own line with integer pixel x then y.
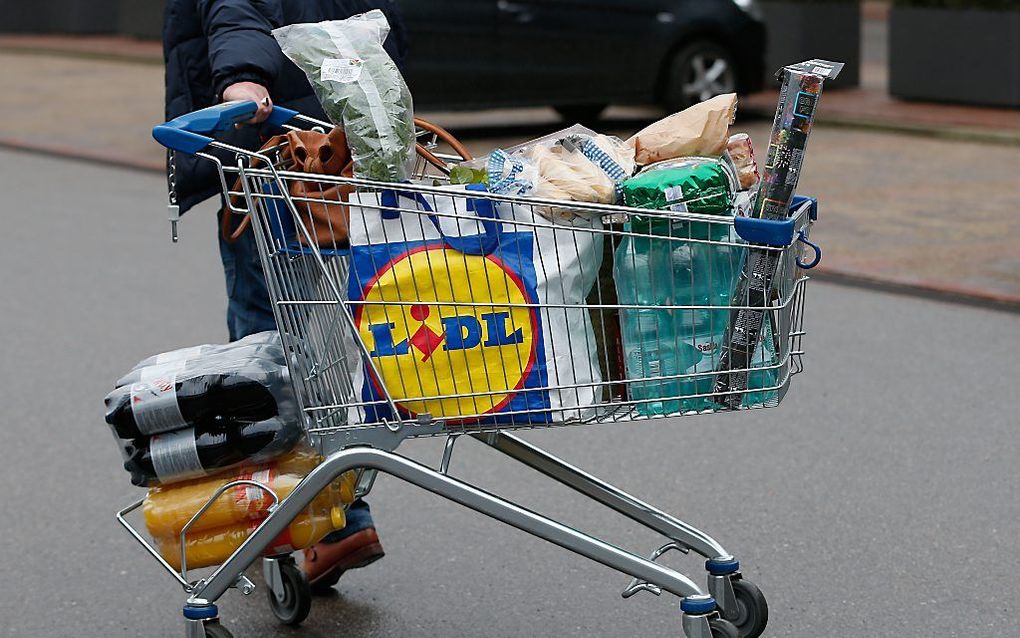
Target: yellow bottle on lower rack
{"type": "Point", "coordinates": [167, 509]}
{"type": "Point", "coordinates": [214, 546]}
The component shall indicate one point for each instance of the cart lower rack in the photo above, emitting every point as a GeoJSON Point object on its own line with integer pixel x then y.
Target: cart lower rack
{"type": "Point", "coordinates": [442, 310]}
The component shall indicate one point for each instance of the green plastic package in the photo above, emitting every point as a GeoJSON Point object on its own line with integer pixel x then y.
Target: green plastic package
{"type": "Point", "coordinates": [359, 87]}
{"type": "Point", "coordinates": [692, 185]}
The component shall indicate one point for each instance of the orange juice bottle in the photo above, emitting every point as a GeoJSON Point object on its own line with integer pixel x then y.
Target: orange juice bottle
{"type": "Point", "coordinates": [213, 546]}
{"type": "Point", "coordinates": [168, 509]}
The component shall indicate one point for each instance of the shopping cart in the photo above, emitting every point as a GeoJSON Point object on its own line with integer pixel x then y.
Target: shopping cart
{"type": "Point", "coordinates": [358, 408]}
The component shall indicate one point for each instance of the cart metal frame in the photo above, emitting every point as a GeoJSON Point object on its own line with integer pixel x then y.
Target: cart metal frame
{"type": "Point", "coordinates": [370, 449]}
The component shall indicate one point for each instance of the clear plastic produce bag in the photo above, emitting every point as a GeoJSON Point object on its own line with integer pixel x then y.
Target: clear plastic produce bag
{"type": "Point", "coordinates": [360, 89]}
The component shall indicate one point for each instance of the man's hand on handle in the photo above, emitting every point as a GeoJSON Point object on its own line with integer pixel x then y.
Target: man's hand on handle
{"type": "Point", "coordinates": [254, 92]}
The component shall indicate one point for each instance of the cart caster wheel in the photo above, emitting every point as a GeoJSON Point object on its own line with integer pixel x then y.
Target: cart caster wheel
{"type": "Point", "coordinates": [216, 630]}
{"type": "Point", "coordinates": [723, 629]}
{"type": "Point", "coordinates": [291, 607]}
{"type": "Point", "coordinates": [752, 612]}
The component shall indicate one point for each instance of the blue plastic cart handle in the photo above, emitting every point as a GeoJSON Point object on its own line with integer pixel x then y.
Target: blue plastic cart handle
{"type": "Point", "coordinates": [189, 133]}
{"type": "Point", "coordinates": [802, 237]}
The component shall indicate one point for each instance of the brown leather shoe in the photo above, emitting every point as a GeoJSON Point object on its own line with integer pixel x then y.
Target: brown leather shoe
{"type": "Point", "coordinates": [326, 562]}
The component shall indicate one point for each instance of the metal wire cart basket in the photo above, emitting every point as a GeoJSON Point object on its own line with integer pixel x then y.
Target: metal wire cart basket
{"type": "Point", "coordinates": [445, 310]}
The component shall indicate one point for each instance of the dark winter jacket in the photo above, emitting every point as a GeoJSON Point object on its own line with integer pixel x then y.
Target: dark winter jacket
{"type": "Point", "coordinates": [210, 44]}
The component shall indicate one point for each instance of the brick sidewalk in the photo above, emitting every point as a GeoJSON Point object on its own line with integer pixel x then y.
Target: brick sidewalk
{"type": "Point", "coordinates": [919, 212]}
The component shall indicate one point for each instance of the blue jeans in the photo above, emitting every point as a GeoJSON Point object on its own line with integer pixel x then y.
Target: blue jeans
{"type": "Point", "coordinates": [249, 311]}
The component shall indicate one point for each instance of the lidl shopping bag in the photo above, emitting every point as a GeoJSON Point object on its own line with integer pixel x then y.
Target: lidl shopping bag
{"type": "Point", "coordinates": [447, 298]}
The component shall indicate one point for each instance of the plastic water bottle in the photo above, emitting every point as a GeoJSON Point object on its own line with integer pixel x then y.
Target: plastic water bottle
{"type": "Point", "coordinates": [764, 376]}
{"type": "Point", "coordinates": [703, 275]}
{"type": "Point", "coordinates": [641, 272]}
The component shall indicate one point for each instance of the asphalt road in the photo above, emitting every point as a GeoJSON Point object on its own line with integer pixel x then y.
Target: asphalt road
{"type": "Point", "coordinates": [879, 500]}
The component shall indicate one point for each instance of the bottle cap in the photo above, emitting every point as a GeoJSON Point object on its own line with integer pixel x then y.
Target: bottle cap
{"type": "Point", "coordinates": [338, 517]}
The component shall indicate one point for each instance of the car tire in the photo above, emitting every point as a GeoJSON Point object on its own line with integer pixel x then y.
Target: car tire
{"type": "Point", "coordinates": [586, 114]}
{"type": "Point", "coordinates": [696, 72]}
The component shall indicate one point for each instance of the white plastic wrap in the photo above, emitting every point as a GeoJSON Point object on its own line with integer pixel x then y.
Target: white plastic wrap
{"type": "Point", "coordinates": [575, 164]}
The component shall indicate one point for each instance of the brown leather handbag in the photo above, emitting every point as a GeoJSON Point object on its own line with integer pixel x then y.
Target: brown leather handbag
{"type": "Point", "coordinates": [327, 154]}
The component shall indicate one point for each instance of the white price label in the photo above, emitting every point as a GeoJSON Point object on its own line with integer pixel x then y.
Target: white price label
{"type": "Point", "coordinates": [154, 405]}
{"type": "Point", "coordinates": [343, 70]}
{"type": "Point", "coordinates": [175, 456]}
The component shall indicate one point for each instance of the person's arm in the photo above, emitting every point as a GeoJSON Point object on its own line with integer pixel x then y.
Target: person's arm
{"type": "Point", "coordinates": [243, 55]}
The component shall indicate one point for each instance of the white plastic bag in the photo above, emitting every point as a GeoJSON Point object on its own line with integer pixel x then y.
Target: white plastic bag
{"type": "Point", "coordinates": [463, 320]}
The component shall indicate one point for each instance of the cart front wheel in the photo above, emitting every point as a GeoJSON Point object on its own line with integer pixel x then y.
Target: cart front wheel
{"type": "Point", "coordinates": [723, 629]}
{"type": "Point", "coordinates": [292, 607]}
{"type": "Point", "coordinates": [752, 613]}
{"type": "Point", "coordinates": [216, 630]}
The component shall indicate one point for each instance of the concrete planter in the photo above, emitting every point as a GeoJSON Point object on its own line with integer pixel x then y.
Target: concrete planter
{"type": "Point", "coordinates": [799, 31]}
{"type": "Point", "coordinates": [58, 16]}
{"type": "Point", "coordinates": [955, 55]}
{"type": "Point", "coordinates": [141, 18]}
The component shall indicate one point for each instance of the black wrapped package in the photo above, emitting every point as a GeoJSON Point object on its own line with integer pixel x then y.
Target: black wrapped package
{"type": "Point", "coordinates": [199, 451]}
{"type": "Point", "coordinates": [251, 389]}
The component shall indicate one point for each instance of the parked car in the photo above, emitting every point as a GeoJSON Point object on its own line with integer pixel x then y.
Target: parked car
{"type": "Point", "coordinates": [581, 55]}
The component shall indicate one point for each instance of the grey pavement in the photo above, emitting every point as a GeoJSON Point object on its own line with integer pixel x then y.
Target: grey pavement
{"type": "Point", "coordinates": [879, 500]}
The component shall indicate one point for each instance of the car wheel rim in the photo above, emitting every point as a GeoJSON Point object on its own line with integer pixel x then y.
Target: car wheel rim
{"type": "Point", "coordinates": [707, 76]}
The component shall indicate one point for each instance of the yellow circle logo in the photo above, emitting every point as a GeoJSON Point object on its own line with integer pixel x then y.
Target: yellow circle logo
{"type": "Point", "coordinates": [451, 334]}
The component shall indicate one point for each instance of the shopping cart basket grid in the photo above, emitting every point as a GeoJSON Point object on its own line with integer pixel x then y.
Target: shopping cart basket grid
{"type": "Point", "coordinates": [359, 408]}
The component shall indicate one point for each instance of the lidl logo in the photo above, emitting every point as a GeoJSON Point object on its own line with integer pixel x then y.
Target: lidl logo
{"type": "Point", "coordinates": [450, 334]}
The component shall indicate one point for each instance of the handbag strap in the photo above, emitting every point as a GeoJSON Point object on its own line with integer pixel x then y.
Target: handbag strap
{"type": "Point", "coordinates": [231, 234]}
{"type": "Point", "coordinates": [481, 244]}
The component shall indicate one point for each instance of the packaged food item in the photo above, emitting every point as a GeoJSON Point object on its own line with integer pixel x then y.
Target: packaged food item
{"type": "Point", "coordinates": [575, 164]}
{"type": "Point", "coordinates": [199, 451]}
{"type": "Point", "coordinates": [580, 168]}
{"type": "Point", "coordinates": [741, 153]}
{"type": "Point", "coordinates": [691, 185]}
{"type": "Point", "coordinates": [672, 355]}
{"type": "Point", "coordinates": [798, 100]}
{"type": "Point", "coordinates": [700, 130]}
{"type": "Point", "coordinates": [360, 88]}
{"type": "Point", "coordinates": [643, 284]}
{"type": "Point", "coordinates": [252, 389]}
{"type": "Point", "coordinates": [213, 546]}
{"type": "Point", "coordinates": [167, 509]}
